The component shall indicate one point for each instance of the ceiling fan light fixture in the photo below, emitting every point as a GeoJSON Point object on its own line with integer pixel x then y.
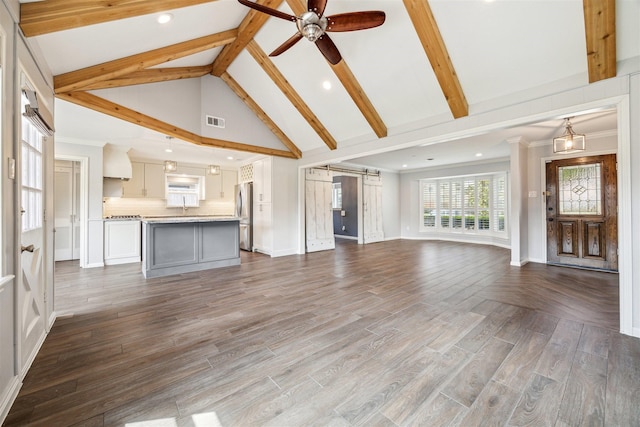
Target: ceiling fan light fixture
{"type": "Point", "coordinates": [312, 32]}
{"type": "Point", "coordinates": [569, 142]}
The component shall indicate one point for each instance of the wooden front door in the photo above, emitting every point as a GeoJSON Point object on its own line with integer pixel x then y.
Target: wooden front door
{"type": "Point", "coordinates": [582, 224]}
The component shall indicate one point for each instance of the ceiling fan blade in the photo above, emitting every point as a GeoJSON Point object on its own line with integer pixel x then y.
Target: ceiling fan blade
{"type": "Point", "coordinates": [268, 10]}
{"type": "Point", "coordinates": [286, 45]}
{"type": "Point", "coordinates": [353, 21]}
{"type": "Point", "coordinates": [328, 49]}
{"type": "Point", "coordinates": [317, 6]}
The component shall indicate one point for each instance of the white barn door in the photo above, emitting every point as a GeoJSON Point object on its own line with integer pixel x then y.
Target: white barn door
{"type": "Point", "coordinates": [372, 209]}
{"type": "Point", "coordinates": [318, 212]}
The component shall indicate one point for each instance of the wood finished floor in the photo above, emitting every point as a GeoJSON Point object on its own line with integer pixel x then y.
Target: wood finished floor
{"type": "Point", "coordinates": [400, 333]}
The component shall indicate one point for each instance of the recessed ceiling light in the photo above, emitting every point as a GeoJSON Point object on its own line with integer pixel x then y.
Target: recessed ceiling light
{"type": "Point", "coordinates": [168, 150]}
{"type": "Point", "coordinates": [164, 18]}
{"type": "Point", "coordinates": [326, 85]}
{"type": "Point", "coordinates": [404, 166]}
{"type": "Point", "coordinates": [478, 154]}
{"type": "Point", "coordinates": [229, 158]}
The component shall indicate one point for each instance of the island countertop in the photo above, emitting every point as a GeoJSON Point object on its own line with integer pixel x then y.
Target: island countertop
{"type": "Point", "coordinates": [187, 218]}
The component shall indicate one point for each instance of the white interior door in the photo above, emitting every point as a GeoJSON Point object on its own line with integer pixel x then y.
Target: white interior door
{"type": "Point", "coordinates": [64, 223]}
{"type": "Point", "coordinates": [372, 209]}
{"type": "Point", "coordinates": [31, 281]}
{"type": "Point", "coordinates": [318, 212]}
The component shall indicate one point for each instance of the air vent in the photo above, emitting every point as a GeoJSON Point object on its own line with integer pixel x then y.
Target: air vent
{"type": "Point", "coordinates": [216, 122]}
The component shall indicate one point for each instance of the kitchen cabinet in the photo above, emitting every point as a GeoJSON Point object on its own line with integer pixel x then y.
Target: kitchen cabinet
{"type": "Point", "coordinates": [184, 244]}
{"type": "Point", "coordinates": [262, 180]}
{"type": "Point", "coordinates": [221, 187]}
{"type": "Point", "coordinates": [262, 228]}
{"type": "Point", "coordinates": [121, 241]}
{"type": "Point", "coordinates": [262, 208]}
{"type": "Point", "coordinates": [147, 180]}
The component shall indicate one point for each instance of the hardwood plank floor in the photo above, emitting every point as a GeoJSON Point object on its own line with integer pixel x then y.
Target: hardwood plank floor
{"type": "Point", "coordinates": [399, 333]}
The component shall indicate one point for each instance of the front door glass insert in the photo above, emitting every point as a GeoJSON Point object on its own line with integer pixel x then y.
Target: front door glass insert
{"type": "Point", "coordinates": [580, 190]}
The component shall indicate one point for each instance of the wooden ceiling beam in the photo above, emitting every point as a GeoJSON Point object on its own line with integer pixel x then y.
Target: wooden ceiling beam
{"type": "Point", "coordinates": [152, 75]}
{"type": "Point", "coordinates": [49, 16]}
{"type": "Point", "coordinates": [431, 39]}
{"type": "Point", "coordinates": [267, 65]}
{"type": "Point", "coordinates": [600, 31]}
{"type": "Point", "coordinates": [350, 83]}
{"type": "Point", "coordinates": [79, 79]}
{"type": "Point", "coordinates": [248, 28]}
{"type": "Point", "coordinates": [244, 96]}
{"type": "Point", "coordinates": [112, 109]}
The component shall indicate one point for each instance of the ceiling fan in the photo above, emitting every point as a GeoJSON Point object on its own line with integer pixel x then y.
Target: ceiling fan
{"type": "Point", "coordinates": [313, 25]}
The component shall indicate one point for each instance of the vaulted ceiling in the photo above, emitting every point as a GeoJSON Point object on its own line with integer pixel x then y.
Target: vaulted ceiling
{"type": "Point", "coordinates": [430, 62]}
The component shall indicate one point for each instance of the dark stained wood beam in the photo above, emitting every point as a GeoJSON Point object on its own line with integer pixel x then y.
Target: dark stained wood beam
{"type": "Point", "coordinates": [267, 65]}
{"type": "Point", "coordinates": [112, 109]}
{"type": "Point", "coordinates": [600, 32]}
{"type": "Point", "coordinates": [79, 79]}
{"type": "Point", "coordinates": [431, 39]}
{"type": "Point", "coordinates": [49, 16]}
{"type": "Point", "coordinates": [152, 75]}
{"type": "Point", "coordinates": [350, 83]}
{"type": "Point", "coordinates": [244, 96]}
{"type": "Point", "coordinates": [248, 28]}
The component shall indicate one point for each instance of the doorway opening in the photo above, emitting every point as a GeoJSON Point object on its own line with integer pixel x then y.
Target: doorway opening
{"type": "Point", "coordinates": [67, 210]}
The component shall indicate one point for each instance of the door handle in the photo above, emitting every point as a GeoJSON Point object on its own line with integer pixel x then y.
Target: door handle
{"type": "Point", "coordinates": [29, 248]}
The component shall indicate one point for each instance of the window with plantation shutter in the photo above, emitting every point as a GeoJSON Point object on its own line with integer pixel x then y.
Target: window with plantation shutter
{"type": "Point", "coordinates": [472, 204]}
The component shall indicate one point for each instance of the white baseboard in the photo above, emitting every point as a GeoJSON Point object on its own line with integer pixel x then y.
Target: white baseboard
{"type": "Point", "coordinates": [7, 400]}
{"type": "Point", "coordinates": [32, 356]}
{"type": "Point", "coordinates": [94, 265]}
{"type": "Point", "coordinates": [342, 236]}
{"type": "Point", "coordinates": [283, 252]}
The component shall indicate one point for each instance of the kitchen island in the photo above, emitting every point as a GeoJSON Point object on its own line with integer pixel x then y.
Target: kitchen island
{"type": "Point", "coordinates": [174, 245]}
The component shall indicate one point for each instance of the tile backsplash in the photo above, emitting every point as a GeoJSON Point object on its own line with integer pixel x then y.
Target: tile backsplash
{"type": "Point", "coordinates": [158, 207]}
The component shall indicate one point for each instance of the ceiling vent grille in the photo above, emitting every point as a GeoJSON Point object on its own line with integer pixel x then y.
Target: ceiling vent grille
{"type": "Point", "coordinates": [216, 122]}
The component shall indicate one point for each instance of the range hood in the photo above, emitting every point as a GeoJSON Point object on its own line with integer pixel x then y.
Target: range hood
{"type": "Point", "coordinates": [115, 162]}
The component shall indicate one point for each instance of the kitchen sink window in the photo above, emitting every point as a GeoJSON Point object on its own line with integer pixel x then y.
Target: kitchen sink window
{"type": "Point", "coordinates": [470, 204]}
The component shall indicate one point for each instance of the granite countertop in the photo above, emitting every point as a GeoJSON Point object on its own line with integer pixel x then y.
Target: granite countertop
{"type": "Point", "coordinates": [187, 218]}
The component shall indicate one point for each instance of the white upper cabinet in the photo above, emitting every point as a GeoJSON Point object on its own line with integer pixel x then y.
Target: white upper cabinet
{"type": "Point", "coordinates": [221, 187]}
{"type": "Point", "coordinates": [147, 180]}
{"type": "Point", "coordinates": [262, 180]}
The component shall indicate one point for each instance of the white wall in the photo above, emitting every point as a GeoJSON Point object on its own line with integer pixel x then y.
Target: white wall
{"type": "Point", "coordinates": [175, 102]}
{"type": "Point", "coordinates": [634, 258]}
{"type": "Point", "coordinates": [9, 381]}
{"type": "Point", "coordinates": [241, 124]}
{"type": "Point", "coordinates": [391, 224]}
{"type": "Point", "coordinates": [284, 199]}
{"type": "Point", "coordinates": [94, 225]}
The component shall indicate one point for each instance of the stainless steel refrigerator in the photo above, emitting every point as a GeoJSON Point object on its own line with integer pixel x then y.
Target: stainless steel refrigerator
{"type": "Point", "coordinates": [244, 211]}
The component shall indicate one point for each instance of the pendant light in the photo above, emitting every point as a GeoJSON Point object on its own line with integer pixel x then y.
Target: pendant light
{"type": "Point", "coordinates": [213, 170]}
{"type": "Point", "coordinates": [570, 142]}
{"type": "Point", "coordinates": [170, 166]}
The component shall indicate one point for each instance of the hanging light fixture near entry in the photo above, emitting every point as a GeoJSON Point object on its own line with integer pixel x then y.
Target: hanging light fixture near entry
{"type": "Point", "coordinates": [569, 142]}
{"type": "Point", "coordinates": [213, 170]}
{"type": "Point", "coordinates": [170, 166]}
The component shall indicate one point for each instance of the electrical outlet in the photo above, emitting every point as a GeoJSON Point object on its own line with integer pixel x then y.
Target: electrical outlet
{"type": "Point", "coordinates": [344, 227]}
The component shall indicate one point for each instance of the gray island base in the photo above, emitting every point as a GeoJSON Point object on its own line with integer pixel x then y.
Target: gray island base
{"type": "Point", "coordinates": [183, 244]}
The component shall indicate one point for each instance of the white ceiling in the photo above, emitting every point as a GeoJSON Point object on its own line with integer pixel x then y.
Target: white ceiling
{"type": "Point", "coordinates": [503, 51]}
